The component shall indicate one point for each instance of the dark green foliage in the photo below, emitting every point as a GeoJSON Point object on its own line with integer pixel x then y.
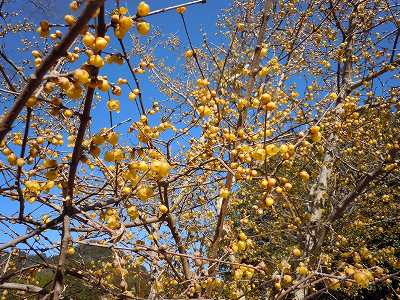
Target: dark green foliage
{"type": "Point", "coordinates": [85, 258]}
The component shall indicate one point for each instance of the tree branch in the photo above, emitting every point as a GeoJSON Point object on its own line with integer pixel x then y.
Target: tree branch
{"type": "Point", "coordinates": [23, 287]}
{"type": "Point", "coordinates": [76, 156]}
{"type": "Point", "coordinates": [36, 79]}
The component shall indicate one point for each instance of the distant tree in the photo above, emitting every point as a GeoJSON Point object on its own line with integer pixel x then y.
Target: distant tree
{"type": "Point", "coordinates": [86, 260]}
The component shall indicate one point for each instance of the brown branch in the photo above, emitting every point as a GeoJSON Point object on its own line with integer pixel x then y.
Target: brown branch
{"type": "Point", "coordinates": [8, 81]}
{"type": "Point", "coordinates": [162, 10]}
{"type": "Point", "coordinates": [23, 146]}
{"type": "Point", "coordinates": [254, 65]}
{"type": "Point", "coordinates": [214, 59]}
{"type": "Point", "coordinates": [191, 47]}
{"type": "Point", "coordinates": [76, 156]}
{"type": "Point", "coordinates": [309, 35]}
{"type": "Point", "coordinates": [19, 171]}
{"type": "Point", "coordinates": [128, 61]}
{"type": "Point", "coordinates": [166, 252]}
{"type": "Point", "coordinates": [395, 45]}
{"type": "Point", "coordinates": [346, 202]}
{"type": "Point", "coordinates": [36, 79]}
{"type": "Point", "coordinates": [13, 65]}
{"type": "Point", "coordinates": [157, 244]}
{"type": "Point", "coordinates": [226, 59]}
{"type": "Point", "coordinates": [294, 287]}
{"type": "Point", "coordinates": [17, 272]}
{"type": "Point", "coordinates": [22, 287]}
{"type": "Point", "coordinates": [172, 227]}
{"type": "Point", "coordinates": [34, 232]}
{"type": "Point", "coordinates": [384, 69]}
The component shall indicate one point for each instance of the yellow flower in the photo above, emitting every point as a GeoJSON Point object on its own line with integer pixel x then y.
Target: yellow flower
{"type": "Point", "coordinates": [113, 105]}
{"type": "Point", "coordinates": [144, 193]}
{"type": "Point", "coordinates": [143, 9]}
{"type": "Point", "coordinates": [143, 28]}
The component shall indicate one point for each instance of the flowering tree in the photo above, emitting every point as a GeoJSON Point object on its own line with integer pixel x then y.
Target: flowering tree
{"type": "Point", "coordinates": [270, 170]}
